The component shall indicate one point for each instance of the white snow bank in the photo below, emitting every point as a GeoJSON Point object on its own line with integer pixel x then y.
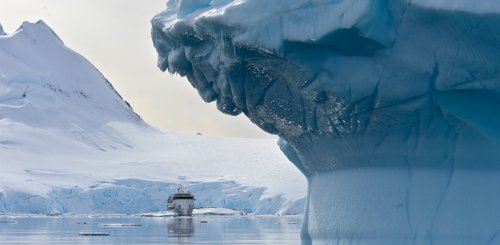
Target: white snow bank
{"type": "Point", "coordinates": [160, 214]}
{"type": "Point", "coordinates": [296, 20]}
{"type": "Point", "coordinates": [217, 211]}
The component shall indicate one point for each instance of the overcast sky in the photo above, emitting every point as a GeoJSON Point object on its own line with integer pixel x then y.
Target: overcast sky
{"type": "Point", "coordinates": [114, 35]}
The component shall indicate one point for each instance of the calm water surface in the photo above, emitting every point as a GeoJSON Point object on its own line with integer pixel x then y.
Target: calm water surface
{"type": "Point", "coordinates": [141, 230]}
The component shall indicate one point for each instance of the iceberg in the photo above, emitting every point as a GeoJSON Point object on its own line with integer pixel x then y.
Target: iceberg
{"type": "Point", "coordinates": [389, 108]}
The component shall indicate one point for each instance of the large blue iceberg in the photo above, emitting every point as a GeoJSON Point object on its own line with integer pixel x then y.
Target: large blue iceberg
{"type": "Point", "coordinates": [390, 108]}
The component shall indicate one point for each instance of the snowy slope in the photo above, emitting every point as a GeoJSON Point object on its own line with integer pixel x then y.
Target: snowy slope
{"type": "Point", "coordinates": [390, 108]}
{"type": "Point", "coordinates": [70, 144]}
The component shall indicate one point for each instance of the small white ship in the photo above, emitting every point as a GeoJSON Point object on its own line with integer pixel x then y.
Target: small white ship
{"type": "Point", "coordinates": [182, 202]}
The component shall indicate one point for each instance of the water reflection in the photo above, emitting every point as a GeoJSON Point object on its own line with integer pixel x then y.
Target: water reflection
{"type": "Point", "coordinates": [180, 227]}
{"type": "Point", "coordinates": [173, 230]}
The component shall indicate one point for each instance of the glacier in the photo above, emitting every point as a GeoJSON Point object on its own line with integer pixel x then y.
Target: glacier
{"type": "Point", "coordinates": [389, 108]}
{"type": "Point", "coordinates": [70, 144]}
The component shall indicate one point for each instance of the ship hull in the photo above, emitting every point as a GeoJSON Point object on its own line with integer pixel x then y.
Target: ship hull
{"type": "Point", "coordinates": [183, 207]}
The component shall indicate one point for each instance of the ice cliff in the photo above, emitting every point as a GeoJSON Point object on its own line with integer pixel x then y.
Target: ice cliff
{"type": "Point", "coordinates": [389, 108]}
{"type": "Point", "coordinates": [70, 144]}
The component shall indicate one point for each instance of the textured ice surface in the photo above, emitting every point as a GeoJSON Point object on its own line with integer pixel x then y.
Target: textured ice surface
{"type": "Point", "coordinates": [388, 107]}
{"type": "Point", "coordinates": [70, 144]}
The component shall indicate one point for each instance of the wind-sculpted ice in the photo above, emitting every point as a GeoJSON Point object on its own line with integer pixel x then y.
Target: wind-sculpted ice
{"type": "Point", "coordinates": [390, 108]}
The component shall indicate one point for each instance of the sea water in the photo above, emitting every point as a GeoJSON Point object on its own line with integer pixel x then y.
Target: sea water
{"type": "Point", "coordinates": [146, 230]}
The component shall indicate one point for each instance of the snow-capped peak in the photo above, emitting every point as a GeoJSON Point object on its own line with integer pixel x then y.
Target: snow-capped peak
{"type": "Point", "coordinates": [39, 31]}
{"type": "Point", "coordinates": [39, 76]}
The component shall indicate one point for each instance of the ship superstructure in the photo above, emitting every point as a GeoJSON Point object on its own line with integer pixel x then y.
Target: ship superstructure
{"type": "Point", "coordinates": [182, 202]}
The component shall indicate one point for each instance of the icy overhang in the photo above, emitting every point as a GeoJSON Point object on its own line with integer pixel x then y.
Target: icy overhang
{"type": "Point", "coordinates": [352, 78]}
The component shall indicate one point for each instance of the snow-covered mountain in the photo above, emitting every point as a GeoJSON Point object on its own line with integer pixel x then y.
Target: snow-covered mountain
{"type": "Point", "coordinates": [390, 108]}
{"type": "Point", "coordinates": [70, 144]}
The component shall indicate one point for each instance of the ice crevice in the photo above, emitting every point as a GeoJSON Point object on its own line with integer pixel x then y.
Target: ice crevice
{"type": "Point", "coordinates": [494, 238]}
{"type": "Point", "coordinates": [379, 103]}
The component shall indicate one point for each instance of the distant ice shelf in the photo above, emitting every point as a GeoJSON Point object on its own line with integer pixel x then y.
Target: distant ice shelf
{"type": "Point", "coordinates": [137, 196]}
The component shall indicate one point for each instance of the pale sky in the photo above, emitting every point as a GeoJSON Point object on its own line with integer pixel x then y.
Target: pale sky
{"type": "Point", "coordinates": [114, 35]}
